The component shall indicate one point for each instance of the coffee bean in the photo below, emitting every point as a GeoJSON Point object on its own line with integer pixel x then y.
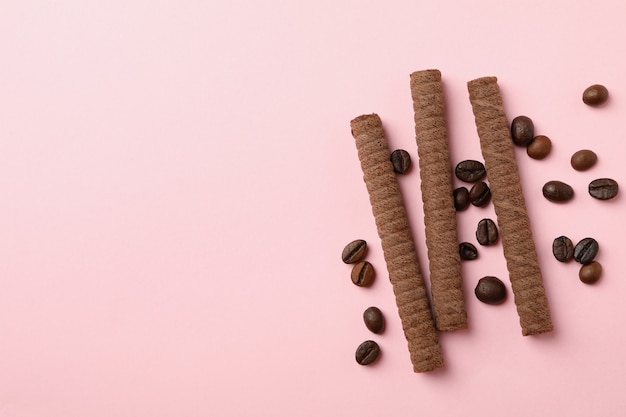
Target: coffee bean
{"type": "Point", "coordinates": [367, 352]}
{"type": "Point", "coordinates": [470, 171]}
{"type": "Point", "coordinates": [363, 274]}
{"type": "Point", "coordinates": [374, 319]}
{"type": "Point", "coordinates": [603, 188]}
{"type": "Point", "coordinates": [563, 249]}
{"type": "Point", "coordinates": [540, 147]}
{"type": "Point", "coordinates": [490, 290]}
{"type": "Point", "coordinates": [480, 194]}
{"type": "Point", "coordinates": [467, 251]}
{"type": "Point", "coordinates": [586, 250]}
{"type": "Point", "coordinates": [401, 161]}
{"type": "Point", "coordinates": [354, 251]}
{"type": "Point", "coordinates": [583, 160]}
{"type": "Point", "coordinates": [522, 130]}
{"type": "Point", "coordinates": [486, 232]}
{"type": "Point", "coordinates": [590, 273]}
{"type": "Point", "coordinates": [595, 95]}
{"type": "Point", "coordinates": [557, 191]}
{"type": "Point", "coordinates": [461, 198]}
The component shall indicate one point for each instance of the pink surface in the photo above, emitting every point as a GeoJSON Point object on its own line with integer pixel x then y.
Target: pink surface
{"type": "Point", "coordinates": [179, 180]}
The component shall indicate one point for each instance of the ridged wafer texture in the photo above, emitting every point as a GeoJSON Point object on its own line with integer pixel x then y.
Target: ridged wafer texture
{"type": "Point", "coordinates": [397, 243]}
{"type": "Point", "coordinates": [510, 206]}
{"type": "Point", "coordinates": [431, 135]}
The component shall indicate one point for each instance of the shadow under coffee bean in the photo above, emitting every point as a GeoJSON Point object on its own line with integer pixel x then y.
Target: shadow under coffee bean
{"type": "Point", "coordinates": [595, 95]}
{"type": "Point", "coordinates": [467, 251]}
{"type": "Point", "coordinates": [374, 320]}
{"type": "Point", "coordinates": [522, 130]}
{"type": "Point", "coordinates": [540, 147]}
{"type": "Point", "coordinates": [490, 290]}
{"type": "Point", "coordinates": [487, 232]}
{"type": "Point", "coordinates": [354, 251]}
{"type": "Point", "coordinates": [480, 194]}
{"type": "Point", "coordinates": [367, 352]}
{"type": "Point", "coordinates": [461, 198]}
{"type": "Point", "coordinates": [401, 161]}
{"type": "Point", "coordinates": [586, 250]}
{"type": "Point", "coordinates": [590, 273]}
{"type": "Point", "coordinates": [583, 160]}
{"type": "Point", "coordinates": [470, 171]}
{"type": "Point", "coordinates": [557, 191]}
{"type": "Point", "coordinates": [563, 249]}
{"type": "Point", "coordinates": [362, 274]}
{"type": "Point", "coordinates": [603, 188]}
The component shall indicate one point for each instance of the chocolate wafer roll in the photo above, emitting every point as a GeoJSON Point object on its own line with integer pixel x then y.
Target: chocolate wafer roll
{"type": "Point", "coordinates": [397, 242]}
{"type": "Point", "coordinates": [517, 241]}
{"type": "Point", "coordinates": [431, 135]}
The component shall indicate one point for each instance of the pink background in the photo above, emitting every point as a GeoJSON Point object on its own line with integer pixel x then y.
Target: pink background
{"type": "Point", "coordinates": [179, 179]}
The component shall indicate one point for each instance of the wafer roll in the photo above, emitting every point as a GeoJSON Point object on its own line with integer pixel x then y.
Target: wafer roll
{"type": "Point", "coordinates": [397, 242]}
{"type": "Point", "coordinates": [431, 135]}
{"type": "Point", "coordinates": [510, 206]}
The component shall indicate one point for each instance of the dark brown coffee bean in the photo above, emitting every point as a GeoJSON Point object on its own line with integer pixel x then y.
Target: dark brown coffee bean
{"type": "Point", "coordinates": [367, 352]}
{"type": "Point", "coordinates": [557, 191]}
{"type": "Point", "coordinates": [354, 251]}
{"type": "Point", "coordinates": [401, 161]}
{"type": "Point", "coordinates": [563, 249]}
{"type": "Point", "coordinates": [590, 273]}
{"type": "Point", "coordinates": [522, 130]}
{"type": "Point", "coordinates": [586, 250]}
{"type": "Point", "coordinates": [374, 319]}
{"type": "Point", "coordinates": [540, 147]}
{"type": "Point", "coordinates": [470, 171]}
{"type": "Point", "coordinates": [467, 251]}
{"type": "Point", "coordinates": [490, 290]}
{"type": "Point", "coordinates": [595, 95]}
{"type": "Point", "coordinates": [461, 198]}
{"type": "Point", "coordinates": [486, 232]}
{"type": "Point", "coordinates": [480, 194]}
{"type": "Point", "coordinates": [583, 160]}
{"type": "Point", "coordinates": [603, 188]}
{"type": "Point", "coordinates": [363, 274]}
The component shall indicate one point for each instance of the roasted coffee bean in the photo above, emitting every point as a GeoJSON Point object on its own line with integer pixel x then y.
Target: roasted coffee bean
{"type": "Point", "coordinates": [480, 194]}
{"type": "Point", "coordinates": [470, 171]}
{"type": "Point", "coordinates": [486, 232]}
{"type": "Point", "coordinates": [563, 249]}
{"type": "Point", "coordinates": [583, 160]}
{"type": "Point", "coordinates": [461, 198]}
{"type": "Point", "coordinates": [401, 161]}
{"type": "Point", "coordinates": [522, 130]}
{"type": "Point", "coordinates": [540, 147]}
{"type": "Point", "coordinates": [590, 273]}
{"type": "Point", "coordinates": [354, 251]}
{"type": "Point", "coordinates": [586, 250]}
{"type": "Point", "coordinates": [367, 352]}
{"type": "Point", "coordinates": [374, 319]}
{"type": "Point", "coordinates": [557, 191]}
{"type": "Point", "coordinates": [490, 290]}
{"type": "Point", "coordinates": [603, 188]}
{"type": "Point", "coordinates": [467, 251]}
{"type": "Point", "coordinates": [363, 274]}
{"type": "Point", "coordinates": [595, 95]}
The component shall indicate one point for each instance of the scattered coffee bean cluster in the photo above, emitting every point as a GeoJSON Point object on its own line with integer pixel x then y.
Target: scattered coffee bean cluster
{"type": "Point", "coordinates": [362, 275]}
{"type": "Point", "coordinates": [556, 191]}
{"type": "Point", "coordinates": [584, 253]}
{"type": "Point", "coordinates": [489, 289]}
